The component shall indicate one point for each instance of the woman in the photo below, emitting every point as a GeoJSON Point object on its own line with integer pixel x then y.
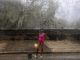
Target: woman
{"type": "Point", "coordinates": [41, 40]}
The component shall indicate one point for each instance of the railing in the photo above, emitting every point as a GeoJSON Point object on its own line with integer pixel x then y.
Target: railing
{"type": "Point", "coordinates": [31, 34]}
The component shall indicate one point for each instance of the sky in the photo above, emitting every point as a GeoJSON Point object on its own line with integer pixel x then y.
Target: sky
{"type": "Point", "coordinates": [69, 10]}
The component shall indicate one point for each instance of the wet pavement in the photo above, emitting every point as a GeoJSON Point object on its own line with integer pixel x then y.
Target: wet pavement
{"type": "Point", "coordinates": [28, 45]}
{"type": "Point", "coordinates": [50, 46]}
{"type": "Point", "coordinates": [58, 56]}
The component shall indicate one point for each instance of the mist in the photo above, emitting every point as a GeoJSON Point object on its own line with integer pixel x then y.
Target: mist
{"type": "Point", "coordinates": [36, 14]}
{"type": "Point", "coordinates": [69, 10]}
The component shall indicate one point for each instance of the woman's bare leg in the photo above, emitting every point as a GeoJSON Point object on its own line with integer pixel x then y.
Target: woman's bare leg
{"type": "Point", "coordinates": [41, 50]}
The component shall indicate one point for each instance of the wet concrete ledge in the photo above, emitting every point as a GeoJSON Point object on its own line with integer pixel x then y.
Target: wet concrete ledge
{"type": "Point", "coordinates": [29, 52]}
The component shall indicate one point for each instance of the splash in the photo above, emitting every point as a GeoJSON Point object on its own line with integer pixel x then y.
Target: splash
{"type": "Point", "coordinates": [69, 11]}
